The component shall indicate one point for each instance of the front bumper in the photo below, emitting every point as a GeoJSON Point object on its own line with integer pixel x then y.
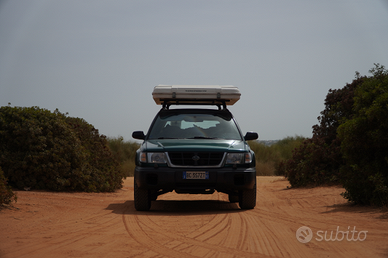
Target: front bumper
{"type": "Point", "coordinates": [226, 180]}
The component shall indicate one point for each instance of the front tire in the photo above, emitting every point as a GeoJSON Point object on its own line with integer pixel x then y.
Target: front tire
{"type": "Point", "coordinates": [142, 198]}
{"type": "Point", "coordinates": [247, 198]}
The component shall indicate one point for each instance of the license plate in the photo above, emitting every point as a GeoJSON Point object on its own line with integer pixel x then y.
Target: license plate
{"type": "Point", "coordinates": [195, 175]}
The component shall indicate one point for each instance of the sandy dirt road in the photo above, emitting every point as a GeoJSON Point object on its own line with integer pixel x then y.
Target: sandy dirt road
{"type": "Point", "coordinates": [46, 224]}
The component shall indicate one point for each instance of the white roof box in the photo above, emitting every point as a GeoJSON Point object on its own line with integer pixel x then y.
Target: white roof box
{"type": "Point", "coordinates": [196, 94]}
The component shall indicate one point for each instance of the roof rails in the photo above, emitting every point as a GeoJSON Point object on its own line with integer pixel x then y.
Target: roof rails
{"type": "Point", "coordinates": [219, 95]}
{"type": "Point", "coordinates": [168, 102]}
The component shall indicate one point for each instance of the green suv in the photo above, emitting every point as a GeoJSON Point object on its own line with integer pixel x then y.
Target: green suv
{"type": "Point", "coordinates": [195, 151]}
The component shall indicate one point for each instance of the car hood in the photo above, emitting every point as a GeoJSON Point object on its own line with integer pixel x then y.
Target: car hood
{"type": "Point", "coordinates": [166, 145]}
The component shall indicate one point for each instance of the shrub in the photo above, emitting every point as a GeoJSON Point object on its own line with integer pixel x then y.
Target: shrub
{"type": "Point", "coordinates": [46, 150]}
{"type": "Point", "coordinates": [6, 193]}
{"type": "Point", "coordinates": [318, 160]}
{"type": "Point", "coordinates": [350, 145]}
{"type": "Point", "coordinates": [38, 148]}
{"type": "Point", "coordinates": [364, 142]}
{"type": "Point", "coordinates": [311, 164]}
{"type": "Point", "coordinates": [103, 171]}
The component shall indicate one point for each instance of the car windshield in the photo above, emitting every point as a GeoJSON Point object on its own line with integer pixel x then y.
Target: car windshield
{"type": "Point", "coordinates": [194, 126]}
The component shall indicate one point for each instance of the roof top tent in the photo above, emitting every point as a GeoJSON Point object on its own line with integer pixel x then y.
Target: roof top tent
{"type": "Point", "coordinates": [218, 95]}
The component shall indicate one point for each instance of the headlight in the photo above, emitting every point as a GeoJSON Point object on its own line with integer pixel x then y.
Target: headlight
{"type": "Point", "coordinates": [238, 158]}
{"type": "Point", "coordinates": [234, 158]}
{"type": "Point", "coordinates": [153, 157]}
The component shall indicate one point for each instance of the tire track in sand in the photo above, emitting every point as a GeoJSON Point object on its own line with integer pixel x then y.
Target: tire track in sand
{"type": "Point", "coordinates": [266, 231]}
{"type": "Point", "coordinates": [224, 235]}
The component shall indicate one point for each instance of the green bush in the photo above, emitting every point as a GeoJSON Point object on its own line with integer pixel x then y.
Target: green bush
{"type": "Point", "coordinates": [46, 150]}
{"type": "Point", "coordinates": [318, 160]}
{"type": "Point", "coordinates": [103, 170]}
{"type": "Point", "coordinates": [350, 145]}
{"type": "Point", "coordinates": [6, 193]}
{"type": "Point", "coordinates": [311, 164]}
{"type": "Point", "coordinates": [365, 142]}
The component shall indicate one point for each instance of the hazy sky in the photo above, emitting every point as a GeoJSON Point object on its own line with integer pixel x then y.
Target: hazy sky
{"type": "Point", "coordinates": [99, 60]}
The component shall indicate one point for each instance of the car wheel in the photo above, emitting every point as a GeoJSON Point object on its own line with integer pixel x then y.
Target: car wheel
{"type": "Point", "coordinates": [142, 198]}
{"type": "Point", "coordinates": [247, 198]}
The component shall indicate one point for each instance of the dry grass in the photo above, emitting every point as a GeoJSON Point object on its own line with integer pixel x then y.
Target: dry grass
{"type": "Point", "coordinates": [265, 169]}
{"type": "Point", "coordinates": [269, 157]}
{"type": "Point", "coordinates": [125, 153]}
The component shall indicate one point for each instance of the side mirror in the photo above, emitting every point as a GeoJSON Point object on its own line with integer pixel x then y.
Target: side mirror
{"type": "Point", "coordinates": [251, 136]}
{"type": "Point", "coordinates": [138, 135]}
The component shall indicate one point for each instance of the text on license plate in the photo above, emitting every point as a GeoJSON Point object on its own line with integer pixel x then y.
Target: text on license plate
{"type": "Point", "coordinates": [195, 175]}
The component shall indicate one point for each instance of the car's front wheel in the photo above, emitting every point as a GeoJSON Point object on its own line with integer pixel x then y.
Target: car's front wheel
{"type": "Point", "coordinates": [142, 198]}
{"type": "Point", "coordinates": [247, 198]}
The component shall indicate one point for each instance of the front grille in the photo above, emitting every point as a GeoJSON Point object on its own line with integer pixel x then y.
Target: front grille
{"type": "Point", "coordinates": [193, 159]}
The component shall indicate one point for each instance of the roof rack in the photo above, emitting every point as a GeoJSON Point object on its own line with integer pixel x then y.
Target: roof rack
{"type": "Point", "coordinates": [219, 95]}
{"type": "Point", "coordinates": [168, 102]}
